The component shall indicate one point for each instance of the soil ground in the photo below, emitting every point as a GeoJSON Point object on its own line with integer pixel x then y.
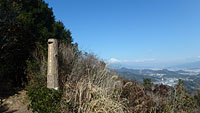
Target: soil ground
{"type": "Point", "coordinates": [17, 103]}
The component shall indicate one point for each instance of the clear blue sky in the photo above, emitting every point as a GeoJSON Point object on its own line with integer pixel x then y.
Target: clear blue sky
{"type": "Point", "coordinates": [128, 30]}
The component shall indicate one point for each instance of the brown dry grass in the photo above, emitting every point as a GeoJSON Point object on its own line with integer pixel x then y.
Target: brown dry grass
{"type": "Point", "coordinates": [89, 86]}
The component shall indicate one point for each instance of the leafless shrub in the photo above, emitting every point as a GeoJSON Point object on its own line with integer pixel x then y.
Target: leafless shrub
{"type": "Point", "coordinates": [88, 86]}
{"type": "Point", "coordinates": [139, 102]}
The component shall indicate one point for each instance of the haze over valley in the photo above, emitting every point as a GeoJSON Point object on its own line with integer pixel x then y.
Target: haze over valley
{"type": "Point", "coordinates": [188, 72]}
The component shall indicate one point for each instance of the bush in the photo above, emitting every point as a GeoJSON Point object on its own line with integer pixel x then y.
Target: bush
{"type": "Point", "coordinates": [181, 101]}
{"type": "Point", "coordinates": [44, 100]}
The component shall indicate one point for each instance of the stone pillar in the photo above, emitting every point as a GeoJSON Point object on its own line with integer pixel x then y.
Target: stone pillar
{"type": "Point", "coordinates": [52, 69]}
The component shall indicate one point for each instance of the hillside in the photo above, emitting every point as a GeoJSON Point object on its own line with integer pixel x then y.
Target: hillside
{"type": "Point", "coordinates": [164, 76]}
{"type": "Point", "coordinates": [79, 81]}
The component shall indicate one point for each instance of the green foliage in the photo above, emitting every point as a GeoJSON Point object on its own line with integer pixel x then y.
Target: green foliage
{"type": "Point", "coordinates": [23, 24]}
{"type": "Point", "coordinates": [147, 82]}
{"type": "Point", "coordinates": [44, 100]}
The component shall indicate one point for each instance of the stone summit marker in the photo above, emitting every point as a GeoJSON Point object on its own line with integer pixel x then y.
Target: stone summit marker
{"type": "Point", "coordinates": [52, 69]}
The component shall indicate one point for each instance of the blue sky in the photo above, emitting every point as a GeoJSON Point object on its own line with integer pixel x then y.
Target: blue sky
{"type": "Point", "coordinates": [133, 30]}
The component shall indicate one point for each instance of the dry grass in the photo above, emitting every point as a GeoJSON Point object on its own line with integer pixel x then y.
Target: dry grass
{"type": "Point", "coordinates": [89, 86]}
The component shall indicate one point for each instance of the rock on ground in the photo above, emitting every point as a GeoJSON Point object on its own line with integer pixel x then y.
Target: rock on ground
{"type": "Point", "coordinates": [15, 104]}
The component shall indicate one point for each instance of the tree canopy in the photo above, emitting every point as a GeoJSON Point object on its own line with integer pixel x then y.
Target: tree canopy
{"type": "Point", "coordinates": [23, 23]}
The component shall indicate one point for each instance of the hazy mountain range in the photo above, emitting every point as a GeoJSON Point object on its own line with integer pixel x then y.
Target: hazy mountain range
{"type": "Point", "coordinates": [152, 65]}
{"type": "Point", "coordinates": [191, 65]}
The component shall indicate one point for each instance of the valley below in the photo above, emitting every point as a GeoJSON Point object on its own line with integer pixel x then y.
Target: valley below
{"type": "Point", "coordinates": [170, 77]}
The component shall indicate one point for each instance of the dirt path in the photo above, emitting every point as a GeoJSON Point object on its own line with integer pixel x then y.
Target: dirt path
{"type": "Point", "coordinates": [15, 104]}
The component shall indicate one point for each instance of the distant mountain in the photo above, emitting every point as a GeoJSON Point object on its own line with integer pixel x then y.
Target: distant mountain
{"type": "Point", "coordinates": [189, 65]}
{"type": "Point", "coordinates": [192, 65]}
{"type": "Point", "coordinates": [127, 65]}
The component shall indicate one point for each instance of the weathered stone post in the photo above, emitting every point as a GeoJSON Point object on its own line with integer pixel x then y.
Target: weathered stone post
{"type": "Point", "coordinates": [52, 71]}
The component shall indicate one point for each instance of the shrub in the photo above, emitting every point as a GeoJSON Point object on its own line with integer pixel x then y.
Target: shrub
{"type": "Point", "coordinates": [139, 101]}
{"type": "Point", "coordinates": [181, 101]}
{"type": "Point", "coordinates": [44, 100]}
